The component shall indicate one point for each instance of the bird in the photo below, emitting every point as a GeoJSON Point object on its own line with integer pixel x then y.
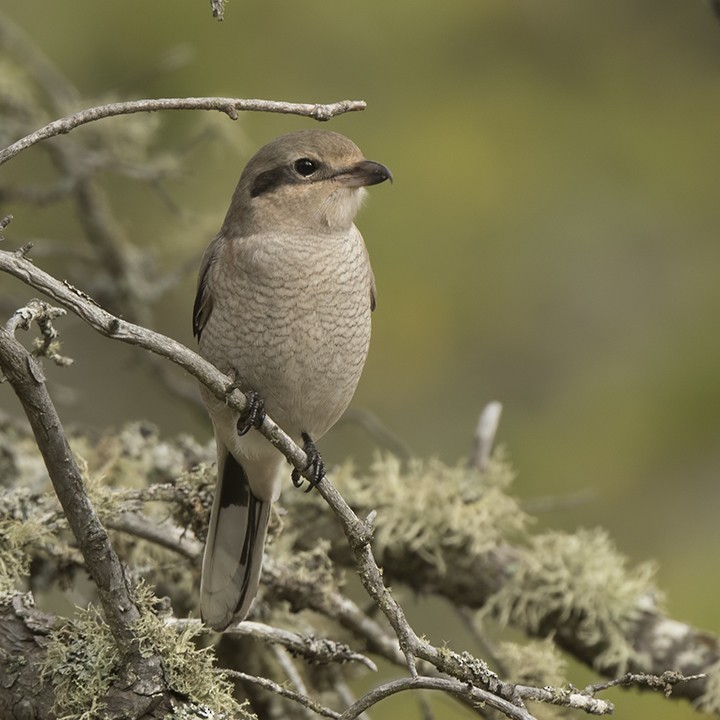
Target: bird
{"type": "Point", "coordinates": [284, 299]}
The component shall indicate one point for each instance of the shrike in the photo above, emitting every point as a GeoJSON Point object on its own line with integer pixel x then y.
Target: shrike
{"type": "Point", "coordinates": [283, 305]}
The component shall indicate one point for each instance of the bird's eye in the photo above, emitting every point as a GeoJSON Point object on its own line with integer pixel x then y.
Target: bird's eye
{"type": "Point", "coordinates": [305, 166]}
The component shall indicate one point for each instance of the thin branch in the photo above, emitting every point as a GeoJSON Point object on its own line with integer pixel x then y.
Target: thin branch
{"type": "Point", "coordinates": [665, 682]}
{"type": "Point", "coordinates": [450, 686]}
{"type": "Point", "coordinates": [165, 534]}
{"type": "Point", "coordinates": [316, 650]}
{"type": "Point", "coordinates": [485, 435]}
{"type": "Point", "coordinates": [43, 314]}
{"type": "Point", "coordinates": [229, 106]}
{"type": "Point", "coordinates": [285, 663]}
{"type": "Point", "coordinates": [319, 651]}
{"type": "Point", "coordinates": [579, 700]}
{"type": "Point", "coordinates": [283, 691]}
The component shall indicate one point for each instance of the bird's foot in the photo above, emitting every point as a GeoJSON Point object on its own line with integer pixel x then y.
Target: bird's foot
{"type": "Point", "coordinates": [253, 415]}
{"type": "Point", "coordinates": [315, 464]}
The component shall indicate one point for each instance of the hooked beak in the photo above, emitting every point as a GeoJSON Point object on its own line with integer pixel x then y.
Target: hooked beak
{"type": "Point", "coordinates": [366, 172]}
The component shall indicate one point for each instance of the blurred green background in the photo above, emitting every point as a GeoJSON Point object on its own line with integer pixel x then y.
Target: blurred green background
{"type": "Point", "coordinates": [551, 239]}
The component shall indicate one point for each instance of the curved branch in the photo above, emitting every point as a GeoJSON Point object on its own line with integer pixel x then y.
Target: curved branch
{"type": "Point", "coordinates": [459, 689]}
{"type": "Point", "coordinates": [229, 106]}
{"type": "Point", "coordinates": [283, 691]}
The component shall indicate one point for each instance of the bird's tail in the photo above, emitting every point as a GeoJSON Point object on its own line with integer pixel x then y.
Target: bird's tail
{"type": "Point", "coordinates": [234, 549]}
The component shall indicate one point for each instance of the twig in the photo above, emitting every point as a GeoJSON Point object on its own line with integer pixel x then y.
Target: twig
{"type": "Point", "coordinates": [229, 106]}
{"type": "Point", "coordinates": [485, 435]}
{"type": "Point", "coordinates": [283, 691]}
{"type": "Point", "coordinates": [319, 651]}
{"type": "Point", "coordinates": [665, 682]}
{"type": "Point", "coordinates": [579, 700]}
{"type": "Point", "coordinates": [450, 686]}
{"type": "Point", "coordinates": [165, 534]}
{"type": "Point", "coordinates": [43, 314]}
{"type": "Point", "coordinates": [316, 650]}
{"type": "Point", "coordinates": [286, 665]}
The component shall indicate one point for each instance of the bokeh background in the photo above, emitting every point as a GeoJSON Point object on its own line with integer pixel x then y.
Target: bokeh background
{"type": "Point", "coordinates": [550, 241]}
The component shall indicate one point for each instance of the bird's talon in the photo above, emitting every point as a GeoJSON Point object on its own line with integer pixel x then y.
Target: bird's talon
{"type": "Point", "coordinates": [315, 464]}
{"type": "Point", "coordinates": [253, 415]}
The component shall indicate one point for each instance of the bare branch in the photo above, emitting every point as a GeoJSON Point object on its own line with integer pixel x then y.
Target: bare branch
{"type": "Point", "coordinates": [451, 686]}
{"type": "Point", "coordinates": [665, 682]}
{"type": "Point", "coordinates": [284, 692]}
{"type": "Point", "coordinates": [165, 534]}
{"type": "Point", "coordinates": [485, 435]}
{"type": "Point", "coordinates": [229, 106]}
{"type": "Point", "coordinates": [317, 650]}
{"type": "Point", "coordinates": [579, 700]}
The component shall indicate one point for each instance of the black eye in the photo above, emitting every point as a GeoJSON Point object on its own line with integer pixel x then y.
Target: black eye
{"type": "Point", "coordinates": [305, 166]}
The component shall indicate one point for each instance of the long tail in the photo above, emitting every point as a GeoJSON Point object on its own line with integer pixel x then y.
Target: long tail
{"type": "Point", "coordinates": [234, 549]}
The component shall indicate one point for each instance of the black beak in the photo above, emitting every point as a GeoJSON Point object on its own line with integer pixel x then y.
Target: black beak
{"type": "Point", "coordinates": [366, 172]}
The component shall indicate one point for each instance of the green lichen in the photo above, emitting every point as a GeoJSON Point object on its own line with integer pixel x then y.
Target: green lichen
{"type": "Point", "coordinates": [536, 662]}
{"type": "Point", "coordinates": [83, 662]}
{"type": "Point", "coordinates": [709, 702]}
{"type": "Point", "coordinates": [432, 509]}
{"type": "Point", "coordinates": [189, 670]}
{"type": "Point", "coordinates": [582, 578]}
{"type": "Point", "coordinates": [17, 537]}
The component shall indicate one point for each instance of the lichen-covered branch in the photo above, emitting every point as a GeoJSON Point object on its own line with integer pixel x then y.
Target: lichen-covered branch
{"type": "Point", "coordinates": [114, 589]}
{"type": "Point", "coordinates": [475, 564]}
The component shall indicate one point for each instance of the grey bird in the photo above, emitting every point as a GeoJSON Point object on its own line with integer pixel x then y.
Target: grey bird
{"type": "Point", "coordinates": [283, 305]}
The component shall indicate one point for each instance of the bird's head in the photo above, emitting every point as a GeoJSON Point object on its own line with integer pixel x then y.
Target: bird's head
{"type": "Point", "coordinates": [308, 180]}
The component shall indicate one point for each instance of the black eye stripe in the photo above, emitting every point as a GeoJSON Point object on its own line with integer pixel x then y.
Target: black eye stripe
{"type": "Point", "coordinates": [269, 180]}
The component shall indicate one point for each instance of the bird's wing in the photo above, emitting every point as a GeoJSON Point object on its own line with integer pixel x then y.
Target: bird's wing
{"type": "Point", "coordinates": [373, 288]}
{"type": "Point", "coordinates": [203, 299]}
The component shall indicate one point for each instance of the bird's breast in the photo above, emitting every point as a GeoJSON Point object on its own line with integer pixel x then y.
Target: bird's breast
{"type": "Point", "coordinates": [291, 317]}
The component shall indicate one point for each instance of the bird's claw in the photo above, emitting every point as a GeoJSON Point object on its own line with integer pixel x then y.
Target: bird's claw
{"type": "Point", "coordinates": [315, 464]}
{"type": "Point", "coordinates": [253, 415]}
